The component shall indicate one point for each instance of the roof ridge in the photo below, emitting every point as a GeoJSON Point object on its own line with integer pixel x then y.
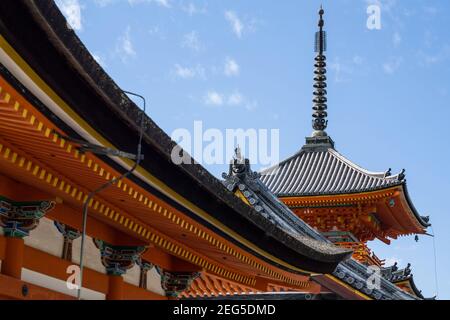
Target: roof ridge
{"type": "Point", "coordinates": [378, 175]}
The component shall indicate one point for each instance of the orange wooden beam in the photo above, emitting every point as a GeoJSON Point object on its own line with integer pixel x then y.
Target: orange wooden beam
{"type": "Point", "coordinates": [135, 293]}
{"type": "Point", "coordinates": [55, 267]}
{"type": "Point", "coordinates": [11, 288]}
{"type": "Point", "coordinates": [66, 214]}
{"type": "Point", "coordinates": [13, 257]}
{"type": "Point", "coordinates": [2, 247]}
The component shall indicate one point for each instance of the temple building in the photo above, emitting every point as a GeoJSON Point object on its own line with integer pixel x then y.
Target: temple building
{"type": "Point", "coordinates": [347, 204]}
{"type": "Point", "coordinates": [89, 194]}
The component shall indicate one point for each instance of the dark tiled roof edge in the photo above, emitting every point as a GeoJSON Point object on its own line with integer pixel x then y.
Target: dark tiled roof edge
{"type": "Point", "coordinates": [49, 18]}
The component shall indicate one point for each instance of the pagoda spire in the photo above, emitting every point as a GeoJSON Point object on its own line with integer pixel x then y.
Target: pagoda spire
{"type": "Point", "coordinates": [319, 122]}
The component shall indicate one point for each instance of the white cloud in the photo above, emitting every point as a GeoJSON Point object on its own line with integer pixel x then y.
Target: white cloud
{"type": "Point", "coordinates": [72, 11]}
{"type": "Point", "coordinates": [428, 59]}
{"type": "Point", "coordinates": [386, 5]}
{"type": "Point", "coordinates": [213, 98]}
{"type": "Point", "coordinates": [342, 70]}
{"type": "Point", "coordinates": [231, 68]}
{"type": "Point", "coordinates": [162, 3]}
{"type": "Point", "coordinates": [336, 67]}
{"type": "Point", "coordinates": [396, 39]}
{"type": "Point", "coordinates": [189, 72]}
{"type": "Point", "coordinates": [438, 56]}
{"type": "Point", "coordinates": [125, 47]}
{"type": "Point", "coordinates": [236, 24]}
{"type": "Point", "coordinates": [388, 10]}
{"type": "Point", "coordinates": [157, 32]}
{"type": "Point", "coordinates": [391, 66]}
{"type": "Point", "coordinates": [191, 9]}
{"type": "Point", "coordinates": [103, 3]}
{"type": "Point", "coordinates": [192, 41]}
{"type": "Point", "coordinates": [250, 105]}
{"type": "Point", "coordinates": [391, 261]}
{"type": "Point", "coordinates": [235, 99]}
{"type": "Point", "coordinates": [184, 72]}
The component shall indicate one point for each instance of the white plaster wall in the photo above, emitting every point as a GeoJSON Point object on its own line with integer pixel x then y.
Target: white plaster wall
{"type": "Point", "coordinates": [132, 275]}
{"type": "Point", "coordinates": [153, 279]}
{"type": "Point", "coordinates": [92, 257]}
{"type": "Point", "coordinates": [46, 238]}
{"type": "Point", "coordinates": [58, 285]}
{"type": "Point", "coordinates": [154, 282]}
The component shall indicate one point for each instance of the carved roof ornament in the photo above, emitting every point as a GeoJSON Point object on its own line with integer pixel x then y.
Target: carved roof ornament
{"type": "Point", "coordinates": [239, 165]}
{"type": "Point", "coordinates": [239, 168]}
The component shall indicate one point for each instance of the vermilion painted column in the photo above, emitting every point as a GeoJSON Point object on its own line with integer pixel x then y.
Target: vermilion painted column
{"type": "Point", "coordinates": [17, 223]}
{"type": "Point", "coordinates": [115, 288]}
{"type": "Point", "coordinates": [13, 262]}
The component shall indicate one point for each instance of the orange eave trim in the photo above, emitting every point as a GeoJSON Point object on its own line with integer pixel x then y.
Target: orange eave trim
{"type": "Point", "coordinates": [371, 197]}
{"type": "Point", "coordinates": [26, 123]}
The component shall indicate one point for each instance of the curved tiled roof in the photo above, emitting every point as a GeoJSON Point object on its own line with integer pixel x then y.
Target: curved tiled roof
{"type": "Point", "coordinates": [318, 169]}
{"type": "Point", "coordinates": [321, 172]}
{"type": "Point", "coordinates": [257, 195]}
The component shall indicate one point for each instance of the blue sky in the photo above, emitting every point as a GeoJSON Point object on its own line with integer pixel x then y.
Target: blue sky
{"type": "Point", "coordinates": [248, 64]}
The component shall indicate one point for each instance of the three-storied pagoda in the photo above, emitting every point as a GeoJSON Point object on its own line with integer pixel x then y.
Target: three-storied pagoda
{"type": "Point", "coordinates": [332, 206]}
{"type": "Point", "coordinates": [346, 203]}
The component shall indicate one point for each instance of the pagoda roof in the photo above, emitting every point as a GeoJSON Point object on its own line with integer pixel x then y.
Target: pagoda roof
{"type": "Point", "coordinates": [324, 171]}
{"type": "Point", "coordinates": [318, 169]}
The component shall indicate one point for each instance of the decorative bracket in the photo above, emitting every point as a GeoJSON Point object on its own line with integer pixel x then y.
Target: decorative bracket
{"type": "Point", "coordinates": [19, 218]}
{"type": "Point", "coordinates": [118, 259]}
{"type": "Point", "coordinates": [173, 283]}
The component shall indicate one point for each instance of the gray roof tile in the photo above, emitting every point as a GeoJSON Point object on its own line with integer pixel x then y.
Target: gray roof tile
{"type": "Point", "coordinates": [321, 172]}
